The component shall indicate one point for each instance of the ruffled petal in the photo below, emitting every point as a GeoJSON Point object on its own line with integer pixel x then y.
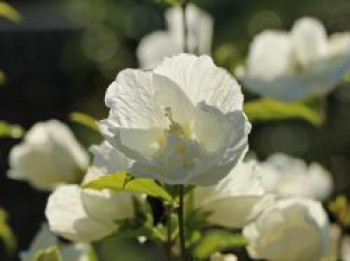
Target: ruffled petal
{"type": "Point", "coordinates": [67, 216]}
{"type": "Point", "coordinates": [201, 80]}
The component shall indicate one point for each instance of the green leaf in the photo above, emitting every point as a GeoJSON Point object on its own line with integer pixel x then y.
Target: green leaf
{"type": "Point", "coordinates": [216, 241]}
{"type": "Point", "coordinates": [266, 110]}
{"type": "Point", "coordinates": [2, 78]}
{"type": "Point", "coordinates": [10, 130]}
{"type": "Point", "coordinates": [49, 254]}
{"type": "Point", "coordinates": [9, 12]}
{"type": "Point", "coordinates": [122, 181]}
{"type": "Point", "coordinates": [85, 120]}
{"type": "Point", "coordinates": [6, 233]}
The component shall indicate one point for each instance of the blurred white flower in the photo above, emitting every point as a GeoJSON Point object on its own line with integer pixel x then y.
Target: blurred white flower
{"type": "Point", "coordinates": [297, 65]}
{"type": "Point", "coordinates": [160, 44]}
{"type": "Point", "coordinates": [49, 155]}
{"type": "Point", "coordinates": [334, 237]}
{"type": "Point", "coordinates": [291, 229]}
{"type": "Point", "coordinates": [222, 257]}
{"type": "Point", "coordinates": [181, 123]}
{"type": "Point", "coordinates": [87, 215]}
{"type": "Point", "coordinates": [232, 200]}
{"type": "Point", "coordinates": [44, 239]}
{"type": "Point", "coordinates": [287, 176]}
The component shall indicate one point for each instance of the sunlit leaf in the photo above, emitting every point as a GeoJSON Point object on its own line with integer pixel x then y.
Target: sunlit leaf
{"type": "Point", "coordinates": [122, 181]}
{"type": "Point", "coordinates": [10, 130]}
{"type": "Point", "coordinates": [340, 207]}
{"type": "Point", "coordinates": [9, 12]}
{"type": "Point", "coordinates": [2, 78]}
{"type": "Point", "coordinates": [6, 233]}
{"type": "Point", "coordinates": [267, 110]}
{"type": "Point", "coordinates": [216, 241]}
{"type": "Point", "coordinates": [50, 254]}
{"type": "Point", "coordinates": [85, 120]}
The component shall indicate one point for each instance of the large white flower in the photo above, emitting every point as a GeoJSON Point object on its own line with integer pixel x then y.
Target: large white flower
{"type": "Point", "coordinates": [287, 176]}
{"type": "Point", "coordinates": [232, 200]}
{"type": "Point", "coordinates": [291, 229]}
{"type": "Point", "coordinates": [48, 156]}
{"type": "Point", "coordinates": [181, 123]}
{"type": "Point", "coordinates": [296, 65]}
{"type": "Point", "coordinates": [157, 45]}
{"type": "Point", "coordinates": [87, 215]}
{"type": "Point", "coordinates": [44, 240]}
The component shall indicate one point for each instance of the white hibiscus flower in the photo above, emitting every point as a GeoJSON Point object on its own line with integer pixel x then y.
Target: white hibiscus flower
{"type": "Point", "coordinates": [157, 45]}
{"type": "Point", "coordinates": [291, 229]}
{"type": "Point", "coordinates": [287, 176]}
{"type": "Point", "coordinates": [232, 200]}
{"type": "Point", "coordinates": [87, 215]}
{"type": "Point", "coordinates": [297, 65]}
{"type": "Point", "coordinates": [49, 155]}
{"type": "Point", "coordinates": [181, 123]}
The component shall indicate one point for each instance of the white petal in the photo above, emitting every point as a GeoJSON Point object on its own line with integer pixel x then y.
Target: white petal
{"type": "Point", "coordinates": [337, 63]}
{"type": "Point", "coordinates": [108, 206]}
{"type": "Point", "coordinates": [201, 80]}
{"type": "Point", "coordinates": [130, 98]}
{"type": "Point", "coordinates": [154, 47]}
{"type": "Point", "coordinates": [107, 160]}
{"type": "Point", "coordinates": [289, 176]}
{"type": "Point", "coordinates": [68, 217]}
{"type": "Point", "coordinates": [233, 198]}
{"type": "Point", "coordinates": [269, 55]}
{"type": "Point", "coordinates": [291, 229]}
{"type": "Point", "coordinates": [230, 145]}
{"type": "Point", "coordinates": [309, 40]}
{"type": "Point", "coordinates": [48, 156]}
{"type": "Point", "coordinates": [169, 94]}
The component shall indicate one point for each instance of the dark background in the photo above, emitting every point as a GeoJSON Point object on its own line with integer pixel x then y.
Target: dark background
{"type": "Point", "coordinates": [63, 54]}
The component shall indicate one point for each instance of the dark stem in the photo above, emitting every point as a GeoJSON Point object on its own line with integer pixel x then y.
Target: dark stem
{"type": "Point", "coordinates": [181, 223]}
{"type": "Point", "coordinates": [184, 23]}
{"type": "Point", "coordinates": [169, 242]}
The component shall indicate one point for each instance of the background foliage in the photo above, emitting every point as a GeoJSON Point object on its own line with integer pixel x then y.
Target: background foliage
{"type": "Point", "coordinates": [62, 55]}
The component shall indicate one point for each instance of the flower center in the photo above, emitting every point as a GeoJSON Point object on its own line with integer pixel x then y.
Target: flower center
{"type": "Point", "coordinates": [174, 127]}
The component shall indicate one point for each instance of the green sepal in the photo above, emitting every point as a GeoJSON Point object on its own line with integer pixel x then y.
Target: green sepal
{"type": "Point", "coordinates": [6, 233]}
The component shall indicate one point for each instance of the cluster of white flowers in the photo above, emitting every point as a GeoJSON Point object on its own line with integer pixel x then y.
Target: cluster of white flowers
{"type": "Point", "coordinates": [182, 123]}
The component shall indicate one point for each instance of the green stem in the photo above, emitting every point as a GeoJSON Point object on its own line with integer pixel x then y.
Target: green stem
{"type": "Point", "coordinates": [181, 223]}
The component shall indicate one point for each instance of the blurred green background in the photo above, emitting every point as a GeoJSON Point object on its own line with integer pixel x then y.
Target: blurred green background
{"type": "Point", "coordinates": [63, 54]}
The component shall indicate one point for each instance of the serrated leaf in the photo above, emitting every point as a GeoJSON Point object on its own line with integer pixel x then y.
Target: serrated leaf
{"type": "Point", "coordinates": [10, 130]}
{"type": "Point", "coordinates": [6, 233]}
{"type": "Point", "coordinates": [266, 110]}
{"type": "Point", "coordinates": [84, 119]}
{"type": "Point", "coordinates": [121, 182]}
{"type": "Point", "coordinates": [9, 12]}
{"type": "Point", "coordinates": [49, 254]}
{"type": "Point", "coordinates": [216, 241]}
